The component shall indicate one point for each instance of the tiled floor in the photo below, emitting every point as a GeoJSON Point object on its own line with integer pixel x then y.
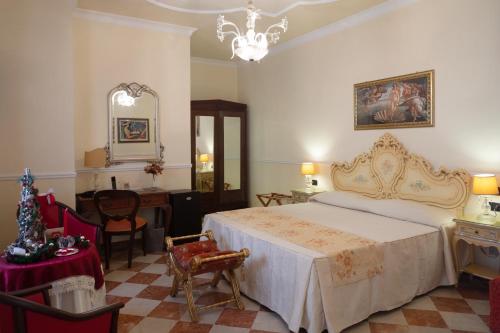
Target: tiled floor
{"type": "Point", "coordinates": [145, 287]}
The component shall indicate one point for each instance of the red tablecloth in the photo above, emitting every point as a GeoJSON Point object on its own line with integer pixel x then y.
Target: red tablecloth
{"type": "Point", "coordinates": [16, 277]}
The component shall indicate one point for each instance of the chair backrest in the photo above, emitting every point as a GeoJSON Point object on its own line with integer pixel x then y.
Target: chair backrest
{"type": "Point", "coordinates": [117, 205]}
{"type": "Point", "coordinates": [7, 309]}
{"type": "Point", "coordinates": [76, 225]}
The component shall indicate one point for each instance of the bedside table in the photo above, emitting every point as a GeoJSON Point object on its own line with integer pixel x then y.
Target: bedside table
{"type": "Point", "coordinates": [303, 196]}
{"type": "Point", "coordinates": [476, 233]}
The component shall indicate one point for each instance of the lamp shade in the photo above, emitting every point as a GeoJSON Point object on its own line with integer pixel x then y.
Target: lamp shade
{"type": "Point", "coordinates": [204, 158]}
{"type": "Point", "coordinates": [307, 168]}
{"type": "Point", "coordinates": [485, 184]}
{"type": "Point", "coordinates": [95, 158]}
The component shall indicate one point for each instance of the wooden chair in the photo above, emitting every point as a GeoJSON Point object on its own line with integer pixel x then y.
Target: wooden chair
{"type": "Point", "coordinates": [191, 259]}
{"type": "Point", "coordinates": [122, 222]}
{"type": "Point", "coordinates": [29, 311]}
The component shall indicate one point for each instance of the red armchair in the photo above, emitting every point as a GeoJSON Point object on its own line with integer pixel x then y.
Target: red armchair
{"type": "Point", "coordinates": [76, 225]}
{"type": "Point", "coordinates": [29, 311]}
{"type": "Point", "coordinates": [495, 305]}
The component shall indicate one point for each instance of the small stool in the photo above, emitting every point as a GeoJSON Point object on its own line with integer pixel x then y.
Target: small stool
{"type": "Point", "coordinates": [191, 259]}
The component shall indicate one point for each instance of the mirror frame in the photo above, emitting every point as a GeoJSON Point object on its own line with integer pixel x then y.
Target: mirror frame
{"type": "Point", "coordinates": [134, 90]}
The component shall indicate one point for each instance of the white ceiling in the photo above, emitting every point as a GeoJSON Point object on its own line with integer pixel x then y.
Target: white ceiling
{"type": "Point", "coordinates": [271, 8]}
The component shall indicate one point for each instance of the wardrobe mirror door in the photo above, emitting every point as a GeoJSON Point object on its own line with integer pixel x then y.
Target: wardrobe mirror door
{"type": "Point", "coordinates": [232, 153]}
{"type": "Point", "coordinates": [204, 153]}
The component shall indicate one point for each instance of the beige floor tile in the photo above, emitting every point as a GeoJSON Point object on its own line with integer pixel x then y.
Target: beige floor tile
{"type": "Point", "coordinates": [156, 325]}
{"type": "Point", "coordinates": [155, 269]}
{"type": "Point", "coordinates": [421, 303]}
{"type": "Point", "coordinates": [362, 327]}
{"type": "Point", "coordinates": [269, 321]}
{"type": "Point", "coordinates": [464, 322]}
{"type": "Point", "coordinates": [149, 258]}
{"type": "Point", "coordinates": [163, 281]}
{"type": "Point", "coordinates": [139, 306]}
{"type": "Point", "coordinates": [424, 329]}
{"type": "Point", "coordinates": [205, 317]}
{"type": "Point", "coordinates": [480, 307]}
{"type": "Point", "coordinates": [227, 329]}
{"type": "Point", "coordinates": [127, 289]}
{"type": "Point", "coordinates": [445, 292]}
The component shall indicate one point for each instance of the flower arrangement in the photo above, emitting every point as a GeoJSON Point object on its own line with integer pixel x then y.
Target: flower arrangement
{"type": "Point", "coordinates": [153, 168]}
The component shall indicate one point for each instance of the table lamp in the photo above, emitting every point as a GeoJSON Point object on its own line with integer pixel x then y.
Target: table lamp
{"type": "Point", "coordinates": [484, 185]}
{"type": "Point", "coordinates": [95, 159]}
{"type": "Point", "coordinates": [204, 161]}
{"type": "Point", "coordinates": [307, 169]}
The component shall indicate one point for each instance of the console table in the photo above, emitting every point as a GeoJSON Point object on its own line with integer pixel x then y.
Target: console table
{"type": "Point", "coordinates": [150, 198]}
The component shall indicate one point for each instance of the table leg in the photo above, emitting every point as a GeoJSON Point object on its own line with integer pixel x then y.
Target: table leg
{"type": "Point", "coordinates": [157, 217]}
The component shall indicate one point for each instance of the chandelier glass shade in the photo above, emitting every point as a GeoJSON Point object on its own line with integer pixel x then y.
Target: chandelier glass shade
{"type": "Point", "coordinates": [251, 46]}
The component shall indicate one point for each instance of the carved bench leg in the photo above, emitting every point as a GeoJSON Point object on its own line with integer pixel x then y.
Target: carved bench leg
{"type": "Point", "coordinates": [216, 279]}
{"type": "Point", "coordinates": [236, 289]}
{"type": "Point", "coordinates": [175, 286]}
{"type": "Point", "coordinates": [188, 289]}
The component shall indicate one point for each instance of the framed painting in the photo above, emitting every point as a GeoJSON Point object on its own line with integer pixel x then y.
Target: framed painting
{"type": "Point", "coordinates": [396, 102]}
{"type": "Point", "coordinates": [133, 130]}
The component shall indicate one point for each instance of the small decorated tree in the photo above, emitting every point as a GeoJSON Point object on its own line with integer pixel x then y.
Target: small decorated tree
{"type": "Point", "coordinates": [31, 228]}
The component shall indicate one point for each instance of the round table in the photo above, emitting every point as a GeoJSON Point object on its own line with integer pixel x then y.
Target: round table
{"type": "Point", "coordinates": [77, 280]}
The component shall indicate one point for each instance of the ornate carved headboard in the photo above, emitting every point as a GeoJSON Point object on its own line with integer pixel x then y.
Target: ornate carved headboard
{"type": "Point", "coordinates": [388, 171]}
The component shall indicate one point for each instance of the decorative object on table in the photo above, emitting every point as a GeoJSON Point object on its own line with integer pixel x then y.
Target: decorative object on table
{"type": "Point", "coordinates": [154, 169]}
{"type": "Point", "coordinates": [250, 46]}
{"type": "Point", "coordinates": [199, 257]}
{"type": "Point", "coordinates": [302, 195]}
{"type": "Point", "coordinates": [476, 233]}
{"type": "Point", "coordinates": [395, 102]}
{"type": "Point", "coordinates": [31, 229]}
{"type": "Point", "coordinates": [267, 198]}
{"type": "Point", "coordinates": [307, 169]}
{"type": "Point", "coordinates": [95, 159]}
{"type": "Point", "coordinates": [483, 185]}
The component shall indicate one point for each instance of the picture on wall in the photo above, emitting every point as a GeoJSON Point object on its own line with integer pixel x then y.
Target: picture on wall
{"type": "Point", "coordinates": [133, 130]}
{"type": "Point", "coordinates": [395, 102]}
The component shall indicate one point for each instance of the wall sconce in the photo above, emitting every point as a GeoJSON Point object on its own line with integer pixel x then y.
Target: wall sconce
{"type": "Point", "coordinates": [307, 169]}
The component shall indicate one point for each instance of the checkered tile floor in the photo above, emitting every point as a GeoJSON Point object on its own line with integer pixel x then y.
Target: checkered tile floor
{"type": "Point", "coordinates": [145, 287]}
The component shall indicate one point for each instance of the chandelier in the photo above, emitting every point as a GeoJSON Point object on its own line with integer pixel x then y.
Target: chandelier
{"type": "Point", "coordinates": [250, 46]}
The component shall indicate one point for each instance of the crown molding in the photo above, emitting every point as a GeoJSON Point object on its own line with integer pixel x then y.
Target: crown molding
{"type": "Point", "coordinates": [133, 22]}
{"type": "Point", "coordinates": [131, 167]}
{"type": "Point", "coordinates": [43, 175]}
{"type": "Point", "coordinates": [348, 22]}
{"type": "Point", "coordinates": [215, 62]}
{"type": "Point", "coordinates": [159, 3]}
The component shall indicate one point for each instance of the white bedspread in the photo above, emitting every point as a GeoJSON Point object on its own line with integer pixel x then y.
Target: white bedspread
{"type": "Point", "coordinates": [295, 282]}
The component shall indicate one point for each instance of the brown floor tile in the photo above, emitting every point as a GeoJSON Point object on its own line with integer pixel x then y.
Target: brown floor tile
{"type": "Point", "coordinates": [110, 285]}
{"type": "Point", "coordinates": [169, 310]}
{"type": "Point", "coordinates": [162, 260]}
{"type": "Point", "coordinates": [185, 327]}
{"type": "Point", "coordinates": [473, 293]}
{"type": "Point", "coordinates": [212, 297]}
{"type": "Point", "coordinates": [237, 318]}
{"type": "Point", "coordinates": [451, 304]}
{"type": "Point", "coordinates": [154, 292]}
{"type": "Point", "coordinates": [424, 318]}
{"type": "Point", "coordinates": [388, 328]}
{"type": "Point", "coordinates": [143, 278]}
{"type": "Point", "coordinates": [136, 267]}
{"type": "Point", "coordinates": [486, 319]}
{"type": "Point", "coordinates": [460, 331]}
{"type": "Point", "coordinates": [110, 299]}
{"type": "Point", "coordinates": [260, 331]}
{"type": "Point", "coordinates": [127, 322]}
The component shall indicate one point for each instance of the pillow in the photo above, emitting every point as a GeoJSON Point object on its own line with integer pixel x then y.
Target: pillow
{"type": "Point", "coordinates": [395, 208]}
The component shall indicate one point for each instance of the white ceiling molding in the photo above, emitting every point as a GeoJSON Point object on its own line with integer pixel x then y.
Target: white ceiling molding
{"type": "Point", "coordinates": [46, 175]}
{"type": "Point", "coordinates": [131, 167]}
{"type": "Point", "coordinates": [348, 22]}
{"type": "Point", "coordinates": [160, 3]}
{"type": "Point", "coordinates": [133, 22]}
{"type": "Point", "coordinates": [214, 62]}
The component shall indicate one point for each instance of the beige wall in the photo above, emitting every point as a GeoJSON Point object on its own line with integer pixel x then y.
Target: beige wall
{"type": "Point", "coordinates": [301, 105]}
{"type": "Point", "coordinates": [213, 80]}
{"type": "Point", "coordinates": [107, 54]}
{"type": "Point", "coordinates": [36, 102]}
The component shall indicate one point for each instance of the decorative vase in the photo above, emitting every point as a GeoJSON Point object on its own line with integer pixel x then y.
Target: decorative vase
{"type": "Point", "coordinates": [153, 183]}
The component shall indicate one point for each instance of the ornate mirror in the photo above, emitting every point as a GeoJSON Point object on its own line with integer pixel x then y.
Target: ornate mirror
{"type": "Point", "coordinates": [133, 124]}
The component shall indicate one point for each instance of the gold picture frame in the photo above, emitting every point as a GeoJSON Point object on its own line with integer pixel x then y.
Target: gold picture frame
{"type": "Point", "coordinates": [403, 101]}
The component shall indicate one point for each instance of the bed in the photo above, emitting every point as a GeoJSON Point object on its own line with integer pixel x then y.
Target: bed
{"type": "Point", "coordinates": [377, 241]}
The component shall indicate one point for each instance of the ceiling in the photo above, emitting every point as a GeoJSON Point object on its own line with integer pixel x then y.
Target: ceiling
{"type": "Point", "coordinates": [303, 16]}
